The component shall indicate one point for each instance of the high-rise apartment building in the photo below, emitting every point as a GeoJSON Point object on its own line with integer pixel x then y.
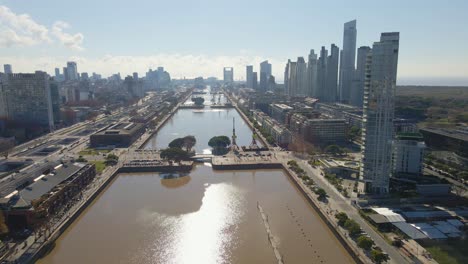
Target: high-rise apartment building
{"type": "Point", "coordinates": [254, 80]}
{"type": "Point", "coordinates": [286, 77]}
{"type": "Point", "coordinates": [378, 114]}
{"type": "Point", "coordinates": [249, 76]}
{"type": "Point", "coordinates": [348, 57]}
{"type": "Point", "coordinates": [356, 95]}
{"type": "Point", "coordinates": [332, 75]}
{"type": "Point", "coordinates": [292, 79]}
{"type": "Point", "coordinates": [312, 74]}
{"type": "Point", "coordinates": [265, 73]}
{"type": "Point", "coordinates": [322, 74]}
{"type": "Point", "coordinates": [301, 75]}
{"type": "Point", "coordinates": [72, 71]}
{"type": "Point", "coordinates": [28, 98]}
{"type": "Point", "coordinates": [228, 74]}
{"type": "Point", "coordinates": [7, 68]}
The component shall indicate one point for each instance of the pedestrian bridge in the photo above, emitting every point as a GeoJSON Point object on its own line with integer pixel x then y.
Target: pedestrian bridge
{"type": "Point", "coordinates": [202, 157]}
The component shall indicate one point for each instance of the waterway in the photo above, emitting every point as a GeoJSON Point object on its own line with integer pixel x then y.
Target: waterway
{"type": "Point", "coordinates": [204, 217]}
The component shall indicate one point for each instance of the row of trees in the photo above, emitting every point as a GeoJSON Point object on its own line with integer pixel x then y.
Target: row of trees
{"type": "Point", "coordinates": [362, 240]}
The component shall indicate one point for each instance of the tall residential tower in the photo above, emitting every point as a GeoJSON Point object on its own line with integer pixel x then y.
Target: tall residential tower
{"type": "Point", "coordinates": [348, 56]}
{"type": "Point", "coordinates": [378, 114]}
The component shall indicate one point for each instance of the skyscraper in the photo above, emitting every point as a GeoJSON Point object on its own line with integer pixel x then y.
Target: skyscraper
{"type": "Point", "coordinates": [254, 81]}
{"type": "Point", "coordinates": [348, 56]}
{"type": "Point", "coordinates": [312, 74]}
{"type": "Point", "coordinates": [265, 73]}
{"type": "Point", "coordinates": [249, 76]}
{"type": "Point", "coordinates": [322, 74]}
{"type": "Point", "coordinates": [7, 68]}
{"type": "Point", "coordinates": [332, 74]}
{"type": "Point", "coordinates": [135, 76]}
{"type": "Point", "coordinates": [57, 72]}
{"type": "Point", "coordinates": [228, 74]}
{"type": "Point", "coordinates": [28, 98]}
{"type": "Point", "coordinates": [72, 71]}
{"type": "Point", "coordinates": [286, 77]}
{"type": "Point", "coordinates": [356, 95]}
{"type": "Point", "coordinates": [379, 105]}
{"type": "Point", "coordinates": [301, 75]}
{"type": "Point", "coordinates": [292, 79]}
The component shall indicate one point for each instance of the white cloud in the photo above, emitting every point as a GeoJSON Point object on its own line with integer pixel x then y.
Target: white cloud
{"type": "Point", "coordinates": [21, 30]}
{"type": "Point", "coordinates": [73, 42]}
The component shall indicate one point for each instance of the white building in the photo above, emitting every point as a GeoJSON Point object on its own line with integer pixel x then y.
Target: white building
{"type": "Point", "coordinates": [356, 96]}
{"type": "Point", "coordinates": [378, 114]}
{"type": "Point", "coordinates": [408, 153]}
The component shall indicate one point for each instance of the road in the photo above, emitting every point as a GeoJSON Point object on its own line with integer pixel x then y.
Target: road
{"type": "Point", "coordinates": [340, 203]}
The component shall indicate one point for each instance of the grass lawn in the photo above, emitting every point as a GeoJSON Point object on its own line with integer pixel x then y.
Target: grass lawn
{"type": "Point", "coordinates": [450, 252]}
{"type": "Point", "coordinates": [90, 151]}
{"type": "Point", "coordinates": [100, 165]}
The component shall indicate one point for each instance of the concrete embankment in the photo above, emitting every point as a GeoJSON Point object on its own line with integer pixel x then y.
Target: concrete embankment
{"type": "Point", "coordinates": [162, 168]}
{"type": "Point", "coordinates": [247, 166]}
{"type": "Point", "coordinates": [49, 244]}
{"type": "Point", "coordinates": [163, 122]}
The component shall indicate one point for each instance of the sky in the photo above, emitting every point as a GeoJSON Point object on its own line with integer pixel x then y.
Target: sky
{"type": "Point", "coordinates": [199, 38]}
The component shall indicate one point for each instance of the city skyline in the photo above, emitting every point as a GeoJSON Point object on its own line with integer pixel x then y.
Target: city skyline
{"type": "Point", "coordinates": [46, 40]}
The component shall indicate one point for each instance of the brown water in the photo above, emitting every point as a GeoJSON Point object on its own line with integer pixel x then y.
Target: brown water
{"type": "Point", "coordinates": [205, 217]}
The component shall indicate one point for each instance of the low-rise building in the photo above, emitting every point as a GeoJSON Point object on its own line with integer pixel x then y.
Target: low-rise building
{"type": "Point", "coordinates": [118, 135]}
{"type": "Point", "coordinates": [325, 131]}
{"type": "Point", "coordinates": [408, 153]}
{"type": "Point", "coordinates": [455, 140]}
{"type": "Point", "coordinates": [279, 112]}
{"type": "Point", "coordinates": [279, 132]}
{"type": "Point", "coordinates": [46, 195]}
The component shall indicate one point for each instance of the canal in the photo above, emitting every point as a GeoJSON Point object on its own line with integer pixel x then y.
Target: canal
{"type": "Point", "coordinates": [204, 217]}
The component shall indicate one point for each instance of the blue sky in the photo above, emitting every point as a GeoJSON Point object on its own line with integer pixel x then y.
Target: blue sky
{"type": "Point", "coordinates": [192, 38]}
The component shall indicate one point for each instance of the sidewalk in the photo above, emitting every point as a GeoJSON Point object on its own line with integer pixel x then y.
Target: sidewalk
{"type": "Point", "coordinates": [336, 202]}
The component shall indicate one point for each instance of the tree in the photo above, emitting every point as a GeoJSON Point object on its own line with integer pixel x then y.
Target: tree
{"type": "Point", "coordinates": [219, 144]}
{"type": "Point", "coordinates": [342, 217]}
{"type": "Point", "coordinates": [189, 142]}
{"type": "Point", "coordinates": [292, 163]}
{"type": "Point", "coordinates": [365, 242]}
{"type": "Point", "coordinates": [111, 159]}
{"type": "Point", "coordinates": [378, 256]}
{"type": "Point", "coordinates": [176, 143]}
{"type": "Point", "coordinates": [6, 145]}
{"type": "Point", "coordinates": [352, 227]}
{"type": "Point", "coordinates": [322, 194]}
{"type": "Point", "coordinates": [175, 154]}
{"type": "Point", "coordinates": [333, 149]}
{"type": "Point", "coordinates": [81, 159]}
{"type": "Point", "coordinates": [198, 100]}
{"type": "Point", "coordinates": [353, 133]}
